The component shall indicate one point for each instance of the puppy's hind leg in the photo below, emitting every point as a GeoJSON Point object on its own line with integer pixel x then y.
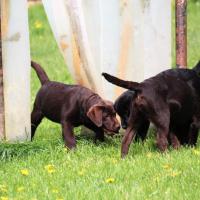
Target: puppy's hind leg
{"type": "Point", "coordinates": [193, 133]}
{"type": "Point", "coordinates": [174, 140]}
{"type": "Point", "coordinates": [126, 141]}
{"type": "Point", "coordinates": [161, 121]}
{"type": "Point", "coordinates": [36, 118]}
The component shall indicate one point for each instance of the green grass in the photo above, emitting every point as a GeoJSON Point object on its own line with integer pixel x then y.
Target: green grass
{"type": "Point", "coordinates": [193, 28]}
{"type": "Point", "coordinates": [94, 171]}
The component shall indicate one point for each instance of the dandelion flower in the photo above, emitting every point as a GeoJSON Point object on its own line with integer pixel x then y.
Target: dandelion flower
{"type": "Point", "coordinates": [149, 155]}
{"type": "Point", "coordinates": [167, 166]}
{"type": "Point", "coordinates": [4, 198]}
{"type": "Point", "coordinates": [50, 168]}
{"type": "Point", "coordinates": [81, 172]}
{"type": "Point", "coordinates": [3, 188]}
{"type": "Point", "coordinates": [196, 152]}
{"type": "Point", "coordinates": [173, 174]}
{"type": "Point", "coordinates": [59, 199]}
{"type": "Point", "coordinates": [110, 180]}
{"type": "Point", "coordinates": [55, 191]}
{"type": "Point", "coordinates": [20, 189]}
{"type": "Point", "coordinates": [114, 161]}
{"type": "Point", "coordinates": [25, 172]}
{"type": "Point", "coordinates": [38, 24]}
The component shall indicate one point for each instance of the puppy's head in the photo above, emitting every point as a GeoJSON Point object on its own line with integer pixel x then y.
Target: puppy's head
{"type": "Point", "coordinates": [103, 115]}
{"type": "Point", "coordinates": [123, 105]}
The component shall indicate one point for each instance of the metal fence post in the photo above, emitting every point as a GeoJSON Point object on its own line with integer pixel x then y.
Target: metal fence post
{"type": "Point", "coordinates": [181, 33]}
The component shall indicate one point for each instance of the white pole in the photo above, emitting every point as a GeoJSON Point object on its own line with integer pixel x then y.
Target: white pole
{"type": "Point", "coordinates": [2, 128]}
{"type": "Point", "coordinates": [60, 25]}
{"type": "Point", "coordinates": [79, 30]}
{"type": "Point", "coordinates": [145, 42]}
{"type": "Point", "coordinates": [16, 69]}
{"type": "Point", "coordinates": [110, 41]}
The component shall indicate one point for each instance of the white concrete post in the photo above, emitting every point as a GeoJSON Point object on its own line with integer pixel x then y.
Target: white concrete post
{"type": "Point", "coordinates": [60, 25]}
{"type": "Point", "coordinates": [127, 38]}
{"type": "Point", "coordinates": [16, 69]}
{"type": "Point", "coordinates": [110, 39]}
{"type": "Point", "coordinates": [145, 48]}
{"type": "Point", "coordinates": [81, 37]}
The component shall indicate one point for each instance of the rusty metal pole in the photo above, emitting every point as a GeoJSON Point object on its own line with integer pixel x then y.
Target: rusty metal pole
{"type": "Point", "coordinates": [181, 33]}
{"type": "Point", "coordinates": [2, 127]}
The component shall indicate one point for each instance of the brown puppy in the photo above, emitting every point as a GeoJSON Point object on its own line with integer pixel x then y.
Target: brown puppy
{"type": "Point", "coordinates": [123, 107]}
{"type": "Point", "coordinates": [71, 105]}
{"type": "Point", "coordinates": [170, 100]}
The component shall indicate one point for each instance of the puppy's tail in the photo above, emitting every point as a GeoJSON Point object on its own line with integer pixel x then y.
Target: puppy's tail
{"type": "Point", "coordinates": [121, 83]}
{"type": "Point", "coordinates": [40, 72]}
{"type": "Point", "coordinates": [197, 68]}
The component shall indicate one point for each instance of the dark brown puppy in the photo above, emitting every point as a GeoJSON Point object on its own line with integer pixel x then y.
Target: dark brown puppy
{"type": "Point", "coordinates": [123, 107]}
{"type": "Point", "coordinates": [71, 105]}
{"type": "Point", "coordinates": [170, 100]}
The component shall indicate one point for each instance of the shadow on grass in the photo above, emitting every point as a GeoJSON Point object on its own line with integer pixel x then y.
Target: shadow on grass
{"type": "Point", "coordinates": [8, 151]}
{"type": "Point", "coordinates": [89, 136]}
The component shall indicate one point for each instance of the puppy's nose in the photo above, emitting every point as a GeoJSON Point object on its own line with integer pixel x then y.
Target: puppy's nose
{"type": "Point", "coordinates": [118, 128]}
{"type": "Point", "coordinates": [124, 126]}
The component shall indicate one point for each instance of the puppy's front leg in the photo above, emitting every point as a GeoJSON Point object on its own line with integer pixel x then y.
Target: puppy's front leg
{"type": "Point", "coordinates": [68, 135]}
{"type": "Point", "coordinates": [99, 135]}
{"type": "Point", "coordinates": [126, 141]}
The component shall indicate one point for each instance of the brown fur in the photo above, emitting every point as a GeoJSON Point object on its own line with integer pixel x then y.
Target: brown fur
{"type": "Point", "coordinates": [71, 106]}
{"type": "Point", "coordinates": [171, 101]}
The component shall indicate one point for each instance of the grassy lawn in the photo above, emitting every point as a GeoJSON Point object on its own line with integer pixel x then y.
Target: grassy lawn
{"type": "Point", "coordinates": [43, 169]}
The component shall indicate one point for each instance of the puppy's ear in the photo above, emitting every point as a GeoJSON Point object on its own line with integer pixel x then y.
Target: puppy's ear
{"type": "Point", "coordinates": [95, 114]}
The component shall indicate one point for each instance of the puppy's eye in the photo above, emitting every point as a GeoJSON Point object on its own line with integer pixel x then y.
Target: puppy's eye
{"type": "Point", "coordinates": [105, 114]}
{"type": "Point", "coordinates": [140, 97]}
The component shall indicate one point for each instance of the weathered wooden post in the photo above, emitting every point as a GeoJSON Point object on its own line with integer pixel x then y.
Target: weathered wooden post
{"type": "Point", "coordinates": [181, 33]}
{"type": "Point", "coordinates": [16, 69]}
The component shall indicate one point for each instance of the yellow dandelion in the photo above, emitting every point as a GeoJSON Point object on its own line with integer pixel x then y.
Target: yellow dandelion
{"type": "Point", "coordinates": [149, 155]}
{"type": "Point", "coordinates": [50, 168]}
{"type": "Point", "coordinates": [59, 199]}
{"type": "Point", "coordinates": [167, 166]}
{"type": "Point", "coordinates": [81, 172]}
{"type": "Point", "coordinates": [114, 161]}
{"type": "Point", "coordinates": [25, 172]}
{"type": "Point", "coordinates": [4, 198]}
{"type": "Point", "coordinates": [196, 152]}
{"type": "Point", "coordinates": [3, 188]}
{"type": "Point", "coordinates": [38, 24]}
{"type": "Point", "coordinates": [173, 174]}
{"type": "Point", "coordinates": [110, 180]}
{"type": "Point", "coordinates": [55, 191]}
{"type": "Point", "coordinates": [20, 189]}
